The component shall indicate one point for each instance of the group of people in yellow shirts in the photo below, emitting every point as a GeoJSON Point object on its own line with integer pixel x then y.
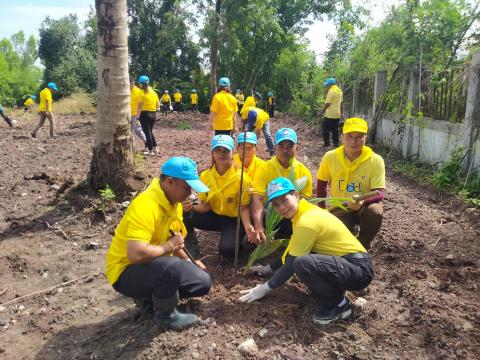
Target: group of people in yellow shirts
{"type": "Point", "coordinates": [178, 106]}
{"type": "Point", "coordinates": [147, 260]}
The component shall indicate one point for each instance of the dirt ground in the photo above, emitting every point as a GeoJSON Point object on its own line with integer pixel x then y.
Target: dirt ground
{"type": "Point", "coordinates": [423, 302]}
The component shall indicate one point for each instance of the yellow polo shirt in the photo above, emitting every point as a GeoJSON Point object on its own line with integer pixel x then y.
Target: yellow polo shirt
{"type": "Point", "coordinates": [135, 97]}
{"type": "Point", "coordinates": [148, 219]}
{"type": "Point", "coordinates": [177, 97]}
{"type": "Point", "coordinates": [262, 116]}
{"type": "Point", "coordinates": [165, 99]}
{"type": "Point", "coordinates": [348, 178]}
{"type": "Point", "coordinates": [272, 169]}
{"type": "Point", "coordinates": [149, 100]}
{"type": "Point", "coordinates": [223, 194]}
{"type": "Point", "coordinates": [225, 106]}
{"type": "Point", "coordinates": [28, 102]}
{"type": "Point", "coordinates": [317, 230]}
{"type": "Point", "coordinates": [252, 168]}
{"type": "Point", "coordinates": [45, 95]}
{"type": "Point", "coordinates": [249, 102]}
{"type": "Point", "coordinates": [194, 98]}
{"type": "Point", "coordinates": [334, 98]}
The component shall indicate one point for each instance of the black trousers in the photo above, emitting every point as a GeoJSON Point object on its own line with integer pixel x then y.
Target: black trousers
{"type": "Point", "coordinates": [271, 111]}
{"type": "Point", "coordinates": [330, 126]}
{"type": "Point", "coordinates": [211, 221]}
{"type": "Point", "coordinates": [177, 106]}
{"type": "Point", "coordinates": [147, 119]}
{"type": "Point", "coordinates": [163, 277]}
{"type": "Point", "coordinates": [327, 277]}
{"type": "Point", "coordinates": [223, 132]}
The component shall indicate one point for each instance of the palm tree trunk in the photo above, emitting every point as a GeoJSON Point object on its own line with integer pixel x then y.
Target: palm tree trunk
{"type": "Point", "coordinates": [112, 160]}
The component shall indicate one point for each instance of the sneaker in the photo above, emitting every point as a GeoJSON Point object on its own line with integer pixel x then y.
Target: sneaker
{"type": "Point", "coordinates": [146, 152]}
{"type": "Point", "coordinates": [325, 317]}
{"type": "Point", "coordinates": [151, 153]}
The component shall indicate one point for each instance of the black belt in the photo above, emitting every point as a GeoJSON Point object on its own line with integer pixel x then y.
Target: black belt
{"type": "Point", "coordinates": [359, 255]}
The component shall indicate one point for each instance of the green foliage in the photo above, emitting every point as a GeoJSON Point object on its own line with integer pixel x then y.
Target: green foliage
{"type": "Point", "coordinates": [19, 77]}
{"type": "Point", "coordinates": [107, 196]}
{"type": "Point", "coordinates": [183, 125]}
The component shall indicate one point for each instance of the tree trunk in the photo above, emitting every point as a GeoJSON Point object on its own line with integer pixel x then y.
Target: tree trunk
{"type": "Point", "coordinates": [214, 49]}
{"type": "Point", "coordinates": [112, 160]}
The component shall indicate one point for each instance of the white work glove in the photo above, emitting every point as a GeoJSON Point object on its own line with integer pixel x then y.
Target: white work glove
{"type": "Point", "coordinates": [255, 293]}
{"type": "Point", "coordinates": [262, 270]}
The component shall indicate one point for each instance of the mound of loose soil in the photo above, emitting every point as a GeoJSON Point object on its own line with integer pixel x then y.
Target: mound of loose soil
{"type": "Point", "coordinates": [423, 302]}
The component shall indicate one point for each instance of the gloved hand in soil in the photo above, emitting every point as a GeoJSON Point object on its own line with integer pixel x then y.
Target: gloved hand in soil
{"type": "Point", "coordinates": [255, 293]}
{"type": "Point", "coordinates": [262, 270]}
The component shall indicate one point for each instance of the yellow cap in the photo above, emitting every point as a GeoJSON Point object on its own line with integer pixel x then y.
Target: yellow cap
{"type": "Point", "coordinates": [355, 125]}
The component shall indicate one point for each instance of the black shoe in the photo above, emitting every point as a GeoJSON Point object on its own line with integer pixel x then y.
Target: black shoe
{"type": "Point", "coordinates": [145, 305]}
{"type": "Point", "coordinates": [327, 316]}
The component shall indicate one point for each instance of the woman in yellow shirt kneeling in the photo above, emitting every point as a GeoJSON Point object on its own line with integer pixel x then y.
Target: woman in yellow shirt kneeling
{"type": "Point", "coordinates": [218, 208]}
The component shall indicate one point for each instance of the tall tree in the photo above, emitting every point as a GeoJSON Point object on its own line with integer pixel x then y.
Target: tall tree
{"type": "Point", "coordinates": [112, 160]}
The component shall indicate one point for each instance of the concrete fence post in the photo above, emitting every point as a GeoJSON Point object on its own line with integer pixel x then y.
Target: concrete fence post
{"type": "Point", "coordinates": [413, 91]}
{"type": "Point", "coordinates": [379, 89]}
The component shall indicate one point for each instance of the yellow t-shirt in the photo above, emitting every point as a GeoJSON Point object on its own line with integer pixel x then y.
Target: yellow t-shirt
{"type": "Point", "coordinates": [165, 99]}
{"type": "Point", "coordinates": [149, 100]}
{"type": "Point", "coordinates": [317, 230]}
{"type": "Point", "coordinates": [177, 97]}
{"type": "Point", "coordinates": [223, 194]}
{"type": "Point", "coordinates": [148, 219]}
{"type": "Point", "coordinates": [249, 102]}
{"type": "Point", "coordinates": [135, 97]}
{"type": "Point", "coordinates": [270, 100]}
{"type": "Point", "coordinates": [348, 178]}
{"type": "Point", "coordinates": [240, 98]}
{"type": "Point", "coordinates": [262, 116]}
{"type": "Point", "coordinates": [28, 102]}
{"type": "Point", "coordinates": [225, 106]}
{"type": "Point", "coordinates": [334, 98]}
{"type": "Point", "coordinates": [252, 168]}
{"type": "Point", "coordinates": [272, 169]}
{"type": "Point", "coordinates": [45, 95]}
{"type": "Point", "coordinates": [194, 99]}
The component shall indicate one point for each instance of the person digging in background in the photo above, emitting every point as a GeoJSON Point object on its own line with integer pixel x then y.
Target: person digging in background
{"type": "Point", "coordinates": [148, 104]}
{"type": "Point", "coordinates": [166, 102]}
{"type": "Point", "coordinates": [223, 117]}
{"type": "Point", "coordinates": [251, 162]}
{"type": "Point", "coordinates": [46, 109]}
{"type": "Point", "coordinates": [240, 100]}
{"type": "Point", "coordinates": [5, 117]}
{"type": "Point", "coordinates": [218, 208]}
{"type": "Point", "coordinates": [258, 120]}
{"type": "Point", "coordinates": [135, 97]}
{"type": "Point", "coordinates": [145, 260]}
{"type": "Point", "coordinates": [280, 165]}
{"type": "Point", "coordinates": [351, 169]}
{"type": "Point", "coordinates": [29, 103]}
{"type": "Point", "coordinates": [332, 110]}
{"type": "Point", "coordinates": [250, 101]}
{"type": "Point", "coordinates": [177, 101]}
{"type": "Point", "coordinates": [194, 101]}
{"type": "Point", "coordinates": [322, 252]}
{"type": "Point", "coordinates": [271, 105]}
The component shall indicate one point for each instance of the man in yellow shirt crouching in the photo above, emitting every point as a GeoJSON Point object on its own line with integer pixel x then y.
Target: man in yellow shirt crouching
{"type": "Point", "coordinates": [354, 169]}
{"type": "Point", "coordinates": [145, 260]}
{"type": "Point", "coordinates": [322, 253]}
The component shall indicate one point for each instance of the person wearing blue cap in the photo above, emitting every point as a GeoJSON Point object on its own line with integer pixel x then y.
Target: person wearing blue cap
{"type": "Point", "coordinates": [250, 101]}
{"type": "Point", "coordinates": [135, 96]}
{"type": "Point", "coordinates": [146, 260]}
{"type": "Point", "coordinates": [283, 164]}
{"type": "Point", "coordinates": [29, 103]}
{"type": "Point", "coordinates": [5, 117]}
{"type": "Point", "coordinates": [332, 110]}
{"type": "Point", "coordinates": [322, 252]}
{"type": "Point", "coordinates": [177, 101]}
{"type": "Point", "coordinates": [218, 209]}
{"type": "Point", "coordinates": [223, 117]}
{"type": "Point", "coordinates": [166, 103]}
{"type": "Point", "coordinates": [258, 120]}
{"type": "Point", "coordinates": [148, 104]}
{"type": "Point", "coordinates": [271, 104]}
{"type": "Point", "coordinates": [251, 162]}
{"type": "Point", "coordinates": [46, 109]}
{"type": "Point", "coordinates": [194, 101]}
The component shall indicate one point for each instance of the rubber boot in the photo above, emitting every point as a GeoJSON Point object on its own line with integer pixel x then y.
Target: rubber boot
{"type": "Point", "coordinates": [145, 305]}
{"type": "Point", "coordinates": [167, 316]}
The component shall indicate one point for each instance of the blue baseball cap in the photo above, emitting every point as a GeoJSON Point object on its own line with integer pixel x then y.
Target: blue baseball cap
{"type": "Point", "coordinates": [223, 141]}
{"type": "Point", "coordinates": [33, 97]}
{"type": "Point", "coordinates": [251, 138]}
{"type": "Point", "coordinates": [224, 81]}
{"type": "Point", "coordinates": [285, 134]}
{"type": "Point", "coordinates": [51, 85]}
{"type": "Point", "coordinates": [329, 81]}
{"type": "Point", "coordinates": [252, 117]}
{"type": "Point", "coordinates": [144, 79]}
{"type": "Point", "coordinates": [194, 91]}
{"type": "Point", "coordinates": [184, 168]}
{"type": "Point", "coordinates": [270, 93]}
{"type": "Point", "coordinates": [279, 187]}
